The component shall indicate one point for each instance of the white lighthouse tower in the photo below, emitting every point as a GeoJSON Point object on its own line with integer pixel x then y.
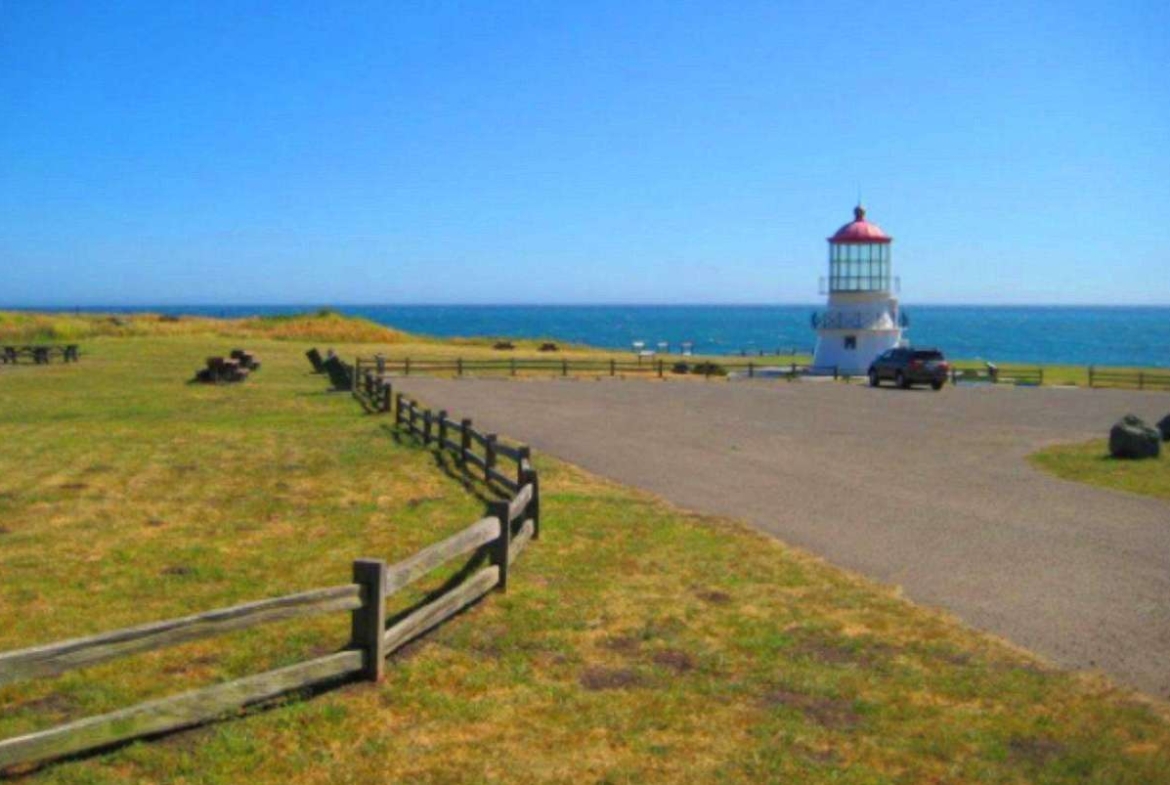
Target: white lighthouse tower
{"type": "Point", "coordinates": [862, 319]}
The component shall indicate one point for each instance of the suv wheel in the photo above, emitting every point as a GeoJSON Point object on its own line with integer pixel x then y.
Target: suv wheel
{"type": "Point", "coordinates": [901, 380]}
{"type": "Point", "coordinates": [936, 385]}
{"type": "Point", "coordinates": [874, 381]}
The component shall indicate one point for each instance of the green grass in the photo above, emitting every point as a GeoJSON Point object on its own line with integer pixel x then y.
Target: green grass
{"type": "Point", "coordinates": [1091, 463]}
{"type": "Point", "coordinates": [637, 642]}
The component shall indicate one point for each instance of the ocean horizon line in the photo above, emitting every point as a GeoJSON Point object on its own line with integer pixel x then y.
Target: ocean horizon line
{"type": "Point", "coordinates": [325, 305]}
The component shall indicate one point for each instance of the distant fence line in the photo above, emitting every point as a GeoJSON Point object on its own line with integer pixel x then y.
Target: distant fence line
{"type": "Point", "coordinates": [1137, 380]}
{"type": "Point", "coordinates": [498, 538]}
{"type": "Point", "coordinates": [376, 367]}
{"type": "Point", "coordinates": [366, 371]}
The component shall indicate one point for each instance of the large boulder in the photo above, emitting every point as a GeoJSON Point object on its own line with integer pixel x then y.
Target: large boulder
{"type": "Point", "coordinates": [1131, 437]}
{"type": "Point", "coordinates": [340, 373]}
{"type": "Point", "coordinates": [1164, 428]}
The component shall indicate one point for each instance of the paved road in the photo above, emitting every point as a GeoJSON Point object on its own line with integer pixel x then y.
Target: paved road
{"type": "Point", "coordinates": [927, 490]}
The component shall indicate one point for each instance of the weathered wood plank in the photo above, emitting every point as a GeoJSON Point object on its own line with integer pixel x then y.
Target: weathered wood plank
{"type": "Point", "coordinates": [409, 570]}
{"type": "Point", "coordinates": [512, 453]}
{"type": "Point", "coordinates": [520, 540]}
{"type": "Point", "coordinates": [519, 503]}
{"type": "Point", "coordinates": [475, 459]}
{"type": "Point", "coordinates": [179, 711]}
{"type": "Point", "coordinates": [443, 608]}
{"type": "Point", "coordinates": [54, 658]}
{"type": "Point", "coordinates": [479, 437]}
{"type": "Point", "coordinates": [503, 480]}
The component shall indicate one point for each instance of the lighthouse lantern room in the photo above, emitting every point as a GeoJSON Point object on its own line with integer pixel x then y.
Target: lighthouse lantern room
{"type": "Point", "coordinates": [862, 319]}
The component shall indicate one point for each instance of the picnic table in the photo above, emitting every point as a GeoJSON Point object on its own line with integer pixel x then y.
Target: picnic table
{"type": "Point", "coordinates": [41, 354]}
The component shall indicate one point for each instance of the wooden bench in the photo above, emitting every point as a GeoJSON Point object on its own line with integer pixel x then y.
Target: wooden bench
{"type": "Point", "coordinates": [40, 354]}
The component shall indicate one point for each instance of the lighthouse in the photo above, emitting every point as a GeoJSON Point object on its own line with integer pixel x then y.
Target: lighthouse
{"type": "Point", "coordinates": [862, 319]}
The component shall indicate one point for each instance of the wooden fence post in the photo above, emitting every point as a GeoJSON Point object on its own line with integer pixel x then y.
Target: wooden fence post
{"type": "Point", "coordinates": [426, 427]}
{"type": "Point", "coordinates": [357, 367]}
{"type": "Point", "coordinates": [564, 367]}
{"type": "Point", "coordinates": [612, 366]}
{"type": "Point", "coordinates": [660, 369]}
{"type": "Point", "coordinates": [1041, 375]}
{"type": "Point", "coordinates": [1090, 376]}
{"type": "Point", "coordinates": [398, 408]}
{"type": "Point", "coordinates": [464, 444]}
{"type": "Point", "coordinates": [751, 370]}
{"type": "Point", "coordinates": [387, 399]}
{"type": "Point", "coordinates": [1141, 380]}
{"type": "Point", "coordinates": [523, 453]}
{"type": "Point", "coordinates": [368, 623]}
{"type": "Point", "coordinates": [406, 367]}
{"type": "Point", "coordinates": [380, 359]}
{"type": "Point", "coordinates": [489, 456]}
{"type": "Point", "coordinates": [500, 546]}
{"type": "Point", "coordinates": [459, 366]}
{"type": "Point", "coordinates": [529, 477]}
{"type": "Point", "coordinates": [512, 362]}
{"type": "Point", "coordinates": [442, 427]}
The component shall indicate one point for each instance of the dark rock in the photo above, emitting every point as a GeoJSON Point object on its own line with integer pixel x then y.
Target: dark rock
{"type": "Point", "coordinates": [340, 373]}
{"type": "Point", "coordinates": [1131, 437]}
{"type": "Point", "coordinates": [709, 369]}
{"type": "Point", "coordinates": [1164, 428]}
{"type": "Point", "coordinates": [548, 347]}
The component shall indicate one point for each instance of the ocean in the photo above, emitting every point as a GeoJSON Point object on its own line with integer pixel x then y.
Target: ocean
{"type": "Point", "coordinates": [1075, 335]}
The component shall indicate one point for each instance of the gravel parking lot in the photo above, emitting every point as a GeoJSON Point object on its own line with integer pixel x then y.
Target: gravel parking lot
{"type": "Point", "coordinates": [926, 490]}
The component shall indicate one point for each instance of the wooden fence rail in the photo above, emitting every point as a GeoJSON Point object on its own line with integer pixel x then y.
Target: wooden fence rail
{"type": "Point", "coordinates": [379, 367]}
{"type": "Point", "coordinates": [512, 523]}
{"type": "Point", "coordinates": [1136, 380]}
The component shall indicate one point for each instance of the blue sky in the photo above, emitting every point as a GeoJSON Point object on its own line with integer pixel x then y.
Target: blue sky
{"type": "Point", "coordinates": [235, 152]}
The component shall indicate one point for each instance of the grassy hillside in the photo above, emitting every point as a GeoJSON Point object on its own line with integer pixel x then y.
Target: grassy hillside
{"type": "Point", "coordinates": [637, 642]}
{"type": "Point", "coordinates": [324, 325]}
{"type": "Point", "coordinates": [1091, 463]}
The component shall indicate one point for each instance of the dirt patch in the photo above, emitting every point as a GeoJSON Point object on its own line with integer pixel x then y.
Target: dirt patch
{"type": "Point", "coordinates": [833, 713]}
{"type": "Point", "coordinates": [410, 650]}
{"type": "Point", "coordinates": [596, 679]}
{"type": "Point", "coordinates": [55, 703]}
{"type": "Point", "coordinates": [177, 571]}
{"type": "Point", "coordinates": [713, 596]}
{"type": "Point", "coordinates": [420, 500]}
{"type": "Point", "coordinates": [840, 651]}
{"type": "Point", "coordinates": [1035, 752]}
{"type": "Point", "coordinates": [675, 660]}
{"type": "Point", "coordinates": [73, 486]}
{"type": "Point", "coordinates": [623, 644]}
{"type": "Point", "coordinates": [154, 523]}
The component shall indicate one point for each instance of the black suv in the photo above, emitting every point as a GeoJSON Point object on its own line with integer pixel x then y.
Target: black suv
{"type": "Point", "coordinates": [908, 367]}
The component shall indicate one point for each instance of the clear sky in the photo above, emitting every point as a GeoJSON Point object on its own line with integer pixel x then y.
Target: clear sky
{"type": "Point", "coordinates": [316, 152]}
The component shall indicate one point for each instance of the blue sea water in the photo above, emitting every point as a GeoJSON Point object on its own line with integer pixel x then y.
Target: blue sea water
{"type": "Point", "coordinates": [1078, 335]}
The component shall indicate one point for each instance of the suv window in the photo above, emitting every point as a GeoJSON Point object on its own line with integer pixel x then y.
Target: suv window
{"type": "Point", "coordinates": [928, 354]}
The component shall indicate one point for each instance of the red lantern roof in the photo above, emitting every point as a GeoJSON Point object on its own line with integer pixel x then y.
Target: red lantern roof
{"type": "Point", "coordinates": [860, 230]}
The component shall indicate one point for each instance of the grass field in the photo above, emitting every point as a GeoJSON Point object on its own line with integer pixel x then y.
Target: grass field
{"type": "Point", "coordinates": [1091, 463]}
{"type": "Point", "coordinates": [637, 642]}
{"type": "Point", "coordinates": [327, 327]}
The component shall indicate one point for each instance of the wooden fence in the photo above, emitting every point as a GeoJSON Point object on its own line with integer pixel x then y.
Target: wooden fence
{"type": "Point", "coordinates": [995, 375]}
{"type": "Point", "coordinates": [1136, 380]}
{"type": "Point", "coordinates": [511, 366]}
{"type": "Point", "coordinates": [500, 537]}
